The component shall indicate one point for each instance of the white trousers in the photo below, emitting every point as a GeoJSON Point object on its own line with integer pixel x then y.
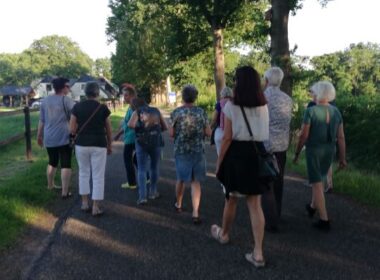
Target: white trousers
{"type": "Point", "coordinates": [91, 161]}
{"type": "Point", "coordinates": [218, 139]}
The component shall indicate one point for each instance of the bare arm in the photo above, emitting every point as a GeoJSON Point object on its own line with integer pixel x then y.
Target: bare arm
{"type": "Point", "coordinates": [208, 130]}
{"type": "Point", "coordinates": [163, 124]}
{"type": "Point", "coordinates": [133, 121]}
{"type": "Point", "coordinates": [40, 133]}
{"type": "Point", "coordinates": [214, 119]}
{"type": "Point", "coordinates": [305, 130]}
{"type": "Point", "coordinates": [342, 147]}
{"type": "Point", "coordinates": [109, 135]}
{"type": "Point", "coordinates": [226, 141]}
{"type": "Point", "coordinates": [73, 124]}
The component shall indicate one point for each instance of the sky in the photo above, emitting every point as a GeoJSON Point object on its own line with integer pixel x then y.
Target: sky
{"type": "Point", "coordinates": [314, 30]}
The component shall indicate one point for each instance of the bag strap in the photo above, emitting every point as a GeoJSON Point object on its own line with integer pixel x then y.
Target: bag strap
{"type": "Point", "coordinates": [88, 120]}
{"type": "Point", "coordinates": [64, 109]}
{"type": "Point", "coordinates": [249, 128]}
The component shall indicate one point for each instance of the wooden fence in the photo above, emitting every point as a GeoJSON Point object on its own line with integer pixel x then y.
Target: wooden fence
{"type": "Point", "coordinates": [27, 135]}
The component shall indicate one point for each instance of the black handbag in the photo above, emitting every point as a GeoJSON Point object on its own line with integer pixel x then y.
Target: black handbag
{"type": "Point", "coordinates": [267, 162]}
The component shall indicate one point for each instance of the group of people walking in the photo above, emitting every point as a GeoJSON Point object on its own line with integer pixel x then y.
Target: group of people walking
{"type": "Point", "coordinates": [248, 119]}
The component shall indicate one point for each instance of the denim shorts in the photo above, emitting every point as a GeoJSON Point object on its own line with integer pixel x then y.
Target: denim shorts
{"type": "Point", "coordinates": [190, 167]}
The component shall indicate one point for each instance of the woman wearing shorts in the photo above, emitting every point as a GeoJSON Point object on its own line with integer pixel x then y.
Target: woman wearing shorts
{"type": "Point", "coordinates": [189, 128]}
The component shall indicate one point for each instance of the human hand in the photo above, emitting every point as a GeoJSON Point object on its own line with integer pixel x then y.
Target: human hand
{"type": "Point", "coordinates": [109, 150]}
{"type": "Point", "coordinates": [40, 141]}
{"type": "Point", "coordinates": [342, 164]}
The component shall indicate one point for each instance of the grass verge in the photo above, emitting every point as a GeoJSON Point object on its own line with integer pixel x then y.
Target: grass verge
{"type": "Point", "coordinates": [362, 186]}
{"type": "Point", "coordinates": [23, 192]}
{"type": "Point", "coordinates": [12, 125]}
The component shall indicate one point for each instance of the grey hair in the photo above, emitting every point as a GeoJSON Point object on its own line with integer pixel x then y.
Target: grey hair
{"type": "Point", "coordinates": [274, 76]}
{"type": "Point", "coordinates": [323, 90]}
{"type": "Point", "coordinates": [92, 89]}
{"type": "Point", "coordinates": [226, 92]}
{"type": "Point", "coordinates": [189, 93]}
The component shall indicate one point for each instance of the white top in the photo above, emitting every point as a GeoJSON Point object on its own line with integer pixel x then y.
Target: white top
{"type": "Point", "coordinates": [258, 119]}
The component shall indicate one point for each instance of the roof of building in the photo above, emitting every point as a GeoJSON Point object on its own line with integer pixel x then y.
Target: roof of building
{"type": "Point", "coordinates": [15, 90]}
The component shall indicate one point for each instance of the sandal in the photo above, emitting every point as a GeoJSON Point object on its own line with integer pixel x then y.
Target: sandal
{"type": "Point", "coordinates": [197, 220]}
{"type": "Point", "coordinates": [178, 209]}
{"type": "Point", "coordinates": [216, 233]}
{"type": "Point", "coordinates": [257, 263]}
{"type": "Point", "coordinates": [85, 208]}
{"type": "Point", "coordinates": [66, 196]}
{"type": "Point", "coordinates": [98, 213]}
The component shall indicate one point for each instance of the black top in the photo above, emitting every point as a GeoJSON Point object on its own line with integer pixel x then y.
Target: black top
{"type": "Point", "coordinates": [94, 133]}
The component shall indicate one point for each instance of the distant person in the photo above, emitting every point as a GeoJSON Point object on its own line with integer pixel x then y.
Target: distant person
{"type": "Point", "coordinates": [322, 127]}
{"type": "Point", "coordinates": [189, 126]}
{"type": "Point", "coordinates": [53, 133]}
{"type": "Point", "coordinates": [91, 126]}
{"type": "Point", "coordinates": [149, 125]}
{"type": "Point", "coordinates": [129, 94]}
{"type": "Point", "coordinates": [280, 113]}
{"type": "Point", "coordinates": [217, 122]}
{"type": "Point", "coordinates": [246, 121]}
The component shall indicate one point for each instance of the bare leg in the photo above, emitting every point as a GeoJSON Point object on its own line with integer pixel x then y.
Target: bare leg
{"type": "Point", "coordinates": [257, 223]}
{"type": "Point", "coordinates": [95, 207]}
{"type": "Point", "coordinates": [65, 177]}
{"type": "Point", "coordinates": [85, 201]}
{"type": "Point", "coordinates": [329, 179]}
{"type": "Point", "coordinates": [179, 191]}
{"type": "Point", "coordinates": [319, 200]}
{"type": "Point", "coordinates": [50, 174]}
{"type": "Point", "coordinates": [229, 213]}
{"type": "Point", "coordinates": [195, 197]}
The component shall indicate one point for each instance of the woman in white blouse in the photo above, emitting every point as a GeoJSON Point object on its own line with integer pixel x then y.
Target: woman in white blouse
{"type": "Point", "coordinates": [237, 165]}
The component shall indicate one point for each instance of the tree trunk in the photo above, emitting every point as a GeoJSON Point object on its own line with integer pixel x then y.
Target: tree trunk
{"type": "Point", "coordinates": [279, 51]}
{"type": "Point", "coordinates": [219, 61]}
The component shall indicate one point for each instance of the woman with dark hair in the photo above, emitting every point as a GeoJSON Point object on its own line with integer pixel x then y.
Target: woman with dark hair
{"type": "Point", "coordinates": [91, 127]}
{"type": "Point", "coordinates": [246, 120]}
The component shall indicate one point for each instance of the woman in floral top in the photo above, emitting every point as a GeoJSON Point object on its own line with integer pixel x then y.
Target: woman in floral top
{"type": "Point", "coordinates": [189, 128]}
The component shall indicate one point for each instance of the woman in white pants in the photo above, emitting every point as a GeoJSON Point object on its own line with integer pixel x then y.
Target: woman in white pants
{"type": "Point", "coordinates": [91, 128]}
{"type": "Point", "coordinates": [218, 116]}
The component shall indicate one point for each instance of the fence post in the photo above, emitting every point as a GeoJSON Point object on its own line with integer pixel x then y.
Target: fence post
{"type": "Point", "coordinates": [28, 134]}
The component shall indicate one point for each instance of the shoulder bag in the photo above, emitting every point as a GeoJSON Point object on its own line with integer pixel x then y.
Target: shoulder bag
{"type": "Point", "coordinates": [267, 162]}
{"type": "Point", "coordinates": [73, 137]}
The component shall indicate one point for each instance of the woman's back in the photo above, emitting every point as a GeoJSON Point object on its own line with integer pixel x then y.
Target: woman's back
{"type": "Point", "coordinates": [258, 119]}
{"type": "Point", "coordinates": [324, 122]}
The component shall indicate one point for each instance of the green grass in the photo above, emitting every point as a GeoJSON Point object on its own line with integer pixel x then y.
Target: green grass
{"type": "Point", "coordinates": [23, 193]}
{"type": "Point", "coordinates": [13, 125]}
{"type": "Point", "coordinates": [117, 117]}
{"type": "Point", "coordinates": [362, 186]}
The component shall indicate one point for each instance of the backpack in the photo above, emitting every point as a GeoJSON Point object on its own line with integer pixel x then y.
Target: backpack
{"type": "Point", "coordinates": [148, 136]}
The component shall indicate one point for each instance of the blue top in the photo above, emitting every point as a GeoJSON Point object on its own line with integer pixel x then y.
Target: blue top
{"type": "Point", "coordinates": [55, 115]}
{"type": "Point", "coordinates": [129, 133]}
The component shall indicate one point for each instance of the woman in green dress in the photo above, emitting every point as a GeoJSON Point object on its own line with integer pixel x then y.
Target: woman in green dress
{"type": "Point", "coordinates": [322, 128]}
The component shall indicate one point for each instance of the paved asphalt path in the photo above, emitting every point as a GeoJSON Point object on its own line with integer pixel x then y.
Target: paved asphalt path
{"type": "Point", "coordinates": [155, 242]}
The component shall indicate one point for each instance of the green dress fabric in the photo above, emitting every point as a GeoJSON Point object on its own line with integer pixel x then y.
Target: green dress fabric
{"type": "Point", "coordinates": [320, 145]}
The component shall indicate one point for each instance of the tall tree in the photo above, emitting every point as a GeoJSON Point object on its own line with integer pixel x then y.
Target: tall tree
{"type": "Point", "coordinates": [279, 48]}
{"type": "Point", "coordinates": [182, 29]}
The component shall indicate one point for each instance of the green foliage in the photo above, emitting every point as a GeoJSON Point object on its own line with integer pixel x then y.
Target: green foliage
{"type": "Point", "coordinates": [355, 70]}
{"type": "Point", "coordinates": [102, 68]}
{"type": "Point", "coordinates": [50, 55]}
{"type": "Point", "coordinates": [158, 38]}
{"type": "Point", "coordinates": [361, 115]}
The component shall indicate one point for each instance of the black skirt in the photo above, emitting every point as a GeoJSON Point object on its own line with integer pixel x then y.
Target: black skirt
{"type": "Point", "coordinates": [239, 169]}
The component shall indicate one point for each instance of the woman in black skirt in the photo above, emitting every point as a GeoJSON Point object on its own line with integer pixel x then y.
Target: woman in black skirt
{"type": "Point", "coordinates": [237, 165]}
